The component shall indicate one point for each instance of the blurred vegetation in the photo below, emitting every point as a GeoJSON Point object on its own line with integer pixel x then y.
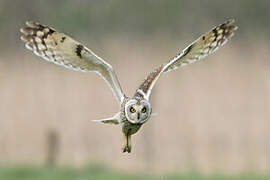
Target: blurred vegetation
{"type": "Point", "coordinates": [100, 18]}
{"type": "Point", "coordinates": [100, 172]}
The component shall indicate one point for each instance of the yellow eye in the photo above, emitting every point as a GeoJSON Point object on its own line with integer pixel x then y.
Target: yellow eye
{"type": "Point", "coordinates": [143, 110]}
{"type": "Point", "coordinates": [132, 110]}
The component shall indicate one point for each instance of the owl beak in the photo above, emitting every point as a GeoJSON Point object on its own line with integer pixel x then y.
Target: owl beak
{"type": "Point", "coordinates": [138, 117]}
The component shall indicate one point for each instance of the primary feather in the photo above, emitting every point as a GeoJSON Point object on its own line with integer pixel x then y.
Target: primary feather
{"type": "Point", "coordinates": [207, 44]}
{"type": "Point", "coordinates": [61, 49]}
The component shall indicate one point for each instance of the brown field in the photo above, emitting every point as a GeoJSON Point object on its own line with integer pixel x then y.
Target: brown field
{"type": "Point", "coordinates": [213, 115]}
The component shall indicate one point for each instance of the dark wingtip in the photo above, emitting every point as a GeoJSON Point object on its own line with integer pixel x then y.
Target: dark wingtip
{"type": "Point", "coordinates": [230, 23]}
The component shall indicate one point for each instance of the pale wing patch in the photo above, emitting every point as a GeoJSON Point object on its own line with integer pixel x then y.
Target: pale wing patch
{"type": "Point", "coordinates": [203, 46]}
{"type": "Point", "coordinates": [199, 49]}
{"type": "Point", "coordinates": [61, 49]}
{"type": "Point", "coordinates": [56, 47]}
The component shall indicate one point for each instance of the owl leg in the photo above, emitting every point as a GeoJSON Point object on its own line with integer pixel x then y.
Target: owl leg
{"type": "Point", "coordinates": [126, 146]}
{"type": "Point", "coordinates": [125, 143]}
{"type": "Point", "coordinates": [129, 144]}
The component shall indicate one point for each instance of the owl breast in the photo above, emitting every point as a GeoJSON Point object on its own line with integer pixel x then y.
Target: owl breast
{"type": "Point", "coordinates": [129, 128]}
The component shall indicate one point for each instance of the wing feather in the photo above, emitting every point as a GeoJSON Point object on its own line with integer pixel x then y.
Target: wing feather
{"type": "Point", "coordinates": [207, 44]}
{"type": "Point", "coordinates": [61, 49]}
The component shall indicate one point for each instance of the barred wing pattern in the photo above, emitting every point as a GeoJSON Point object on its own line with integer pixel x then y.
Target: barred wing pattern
{"type": "Point", "coordinates": [199, 49]}
{"type": "Point", "coordinates": [61, 49]}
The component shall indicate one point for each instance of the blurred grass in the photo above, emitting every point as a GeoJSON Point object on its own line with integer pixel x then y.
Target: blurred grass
{"type": "Point", "coordinates": [65, 173]}
{"type": "Point", "coordinates": [96, 172]}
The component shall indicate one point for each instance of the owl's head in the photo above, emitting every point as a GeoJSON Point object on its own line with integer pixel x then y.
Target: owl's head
{"type": "Point", "coordinates": [137, 110]}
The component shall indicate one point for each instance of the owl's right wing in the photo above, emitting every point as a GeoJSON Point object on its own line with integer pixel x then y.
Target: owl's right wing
{"type": "Point", "coordinates": [61, 49]}
{"type": "Point", "coordinates": [207, 44]}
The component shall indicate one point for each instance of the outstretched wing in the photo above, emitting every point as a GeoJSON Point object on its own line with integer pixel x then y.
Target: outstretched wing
{"type": "Point", "coordinates": [111, 120]}
{"type": "Point", "coordinates": [199, 49]}
{"type": "Point", "coordinates": [61, 49]}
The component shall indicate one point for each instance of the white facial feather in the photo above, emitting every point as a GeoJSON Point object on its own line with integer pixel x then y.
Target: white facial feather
{"type": "Point", "coordinates": [137, 111]}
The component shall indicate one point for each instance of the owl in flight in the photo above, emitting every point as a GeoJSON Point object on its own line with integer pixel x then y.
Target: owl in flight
{"type": "Point", "coordinates": [61, 49]}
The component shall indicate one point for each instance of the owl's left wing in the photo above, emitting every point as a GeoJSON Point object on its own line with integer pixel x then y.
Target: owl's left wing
{"type": "Point", "coordinates": [199, 49]}
{"type": "Point", "coordinates": [61, 49]}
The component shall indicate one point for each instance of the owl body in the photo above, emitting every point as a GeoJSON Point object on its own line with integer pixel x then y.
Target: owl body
{"type": "Point", "coordinates": [63, 50]}
{"type": "Point", "coordinates": [130, 128]}
{"type": "Point", "coordinates": [134, 113]}
{"type": "Point", "coordinates": [127, 127]}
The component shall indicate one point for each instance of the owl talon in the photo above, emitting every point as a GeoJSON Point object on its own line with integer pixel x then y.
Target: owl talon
{"type": "Point", "coordinates": [124, 146]}
{"type": "Point", "coordinates": [126, 149]}
{"type": "Point", "coordinates": [125, 142]}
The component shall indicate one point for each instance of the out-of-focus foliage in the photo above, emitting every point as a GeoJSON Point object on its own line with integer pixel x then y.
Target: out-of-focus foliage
{"type": "Point", "coordinates": [141, 17]}
{"type": "Point", "coordinates": [100, 172]}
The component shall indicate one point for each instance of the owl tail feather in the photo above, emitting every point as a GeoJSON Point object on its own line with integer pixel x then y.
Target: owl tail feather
{"type": "Point", "coordinates": [111, 120]}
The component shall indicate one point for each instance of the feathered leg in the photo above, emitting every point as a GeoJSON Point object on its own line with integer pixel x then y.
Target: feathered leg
{"type": "Point", "coordinates": [124, 143]}
{"type": "Point", "coordinates": [129, 144]}
{"type": "Point", "coordinates": [126, 146]}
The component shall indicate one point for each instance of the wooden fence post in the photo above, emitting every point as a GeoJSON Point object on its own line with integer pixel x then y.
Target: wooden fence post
{"type": "Point", "coordinates": [52, 147]}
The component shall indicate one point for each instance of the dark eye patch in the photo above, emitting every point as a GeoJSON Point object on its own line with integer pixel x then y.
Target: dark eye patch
{"type": "Point", "coordinates": [143, 110]}
{"type": "Point", "coordinates": [132, 110]}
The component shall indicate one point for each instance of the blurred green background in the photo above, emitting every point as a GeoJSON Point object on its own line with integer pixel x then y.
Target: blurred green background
{"type": "Point", "coordinates": [213, 116]}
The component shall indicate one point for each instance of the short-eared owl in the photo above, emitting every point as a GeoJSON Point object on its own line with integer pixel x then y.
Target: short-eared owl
{"type": "Point", "coordinates": [61, 49]}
